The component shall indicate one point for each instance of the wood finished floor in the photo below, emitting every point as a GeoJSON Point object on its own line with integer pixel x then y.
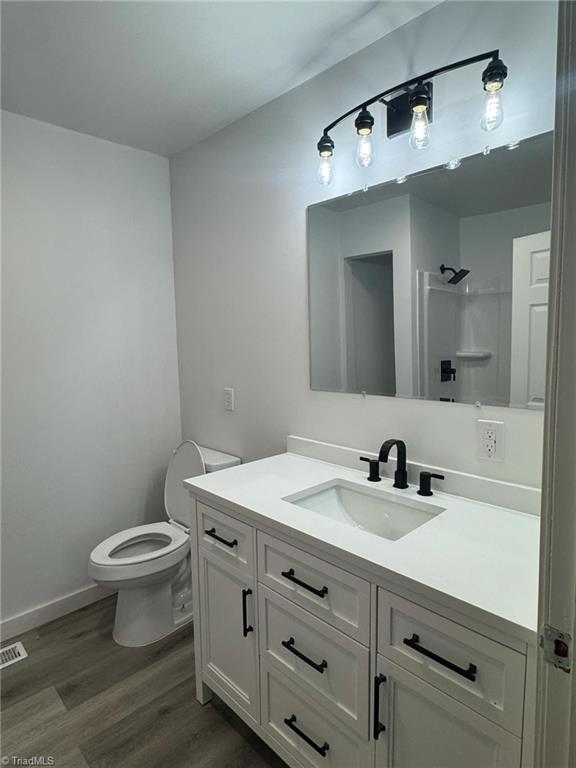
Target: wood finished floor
{"type": "Point", "coordinates": [89, 703]}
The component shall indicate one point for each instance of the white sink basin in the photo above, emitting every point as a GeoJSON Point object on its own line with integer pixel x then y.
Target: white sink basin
{"type": "Point", "coordinates": [376, 511]}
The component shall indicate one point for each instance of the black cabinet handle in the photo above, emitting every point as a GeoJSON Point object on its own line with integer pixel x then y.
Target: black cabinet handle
{"type": "Point", "coordinates": [414, 643]}
{"type": "Point", "coordinates": [290, 722]}
{"type": "Point", "coordinates": [378, 726]}
{"type": "Point", "coordinates": [290, 576]}
{"type": "Point", "coordinates": [289, 645]}
{"type": "Point", "coordinates": [246, 628]}
{"type": "Point", "coordinates": [212, 533]}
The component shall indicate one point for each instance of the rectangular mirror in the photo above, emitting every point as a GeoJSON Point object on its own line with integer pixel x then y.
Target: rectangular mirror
{"type": "Point", "coordinates": [436, 286]}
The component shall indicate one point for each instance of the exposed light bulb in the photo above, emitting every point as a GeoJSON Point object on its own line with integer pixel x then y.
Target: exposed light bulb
{"type": "Point", "coordinates": [420, 129]}
{"type": "Point", "coordinates": [325, 170]}
{"type": "Point", "coordinates": [365, 150]}
{"type": "Point", "coordinates": [493, 111]}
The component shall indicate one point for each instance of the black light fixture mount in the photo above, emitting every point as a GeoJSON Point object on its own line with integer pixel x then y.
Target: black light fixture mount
{"type": "Point", "coordinates": [325, 146]}
{"type": "Point", "coordinates": [364, 122]}
{"type": "Point", "coordinates": [494, 75]}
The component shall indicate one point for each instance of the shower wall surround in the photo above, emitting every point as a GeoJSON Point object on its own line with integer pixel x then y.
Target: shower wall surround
{"type": "Point", "coordinates": [239, 203]}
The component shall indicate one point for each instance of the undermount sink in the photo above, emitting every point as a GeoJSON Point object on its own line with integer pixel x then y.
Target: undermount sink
{"type": "Point", "coordinates": [376, 511]}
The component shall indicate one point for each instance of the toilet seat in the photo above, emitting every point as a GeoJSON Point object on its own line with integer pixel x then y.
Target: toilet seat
{"type": "Point", "coordinates": [106, 566]}
{"type": "Point", "coordinates": [174, 538]}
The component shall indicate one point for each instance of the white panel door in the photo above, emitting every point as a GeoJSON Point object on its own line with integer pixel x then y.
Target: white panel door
{"type": "Point", "coordinates": [531, 269]}
{"type": "Point", "coordinates": [422, 727]}
{"type": "Point", "coordinates": [229, 632]}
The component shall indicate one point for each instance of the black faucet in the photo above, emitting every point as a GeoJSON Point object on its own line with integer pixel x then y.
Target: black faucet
{"type": "Point", "coordinates": [400, 476]}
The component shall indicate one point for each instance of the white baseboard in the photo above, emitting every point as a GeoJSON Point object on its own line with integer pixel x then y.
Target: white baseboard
{"type": "Point", "coordinates": [485, 489]}
{"type": "Point", "coordinates": [41, 614]}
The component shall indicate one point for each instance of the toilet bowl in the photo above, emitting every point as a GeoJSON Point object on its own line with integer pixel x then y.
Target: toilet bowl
{"type": "Point", "coordinates": [150, 565]}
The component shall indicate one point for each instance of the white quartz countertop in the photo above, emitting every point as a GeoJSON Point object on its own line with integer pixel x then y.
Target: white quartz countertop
{"type": "Point", "coordinates": [475, 557]}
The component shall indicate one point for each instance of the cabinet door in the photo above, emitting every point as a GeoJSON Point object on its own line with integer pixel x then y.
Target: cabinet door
{"type": "Point", "coordinates": [421, 727]}
{"type": "Point", "coordinates": [229, 632]}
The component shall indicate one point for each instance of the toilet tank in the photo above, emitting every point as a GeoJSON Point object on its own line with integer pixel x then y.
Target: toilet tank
{"type": "Point", "coordinates": [215, 460]}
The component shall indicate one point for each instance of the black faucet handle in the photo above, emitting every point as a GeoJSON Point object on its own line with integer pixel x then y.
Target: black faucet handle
{"type": "Point", "coordinates": [374, 464]}
{"type": "Point", "coordinates": [426, 483]}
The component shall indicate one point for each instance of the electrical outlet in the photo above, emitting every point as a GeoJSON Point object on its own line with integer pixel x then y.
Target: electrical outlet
{"type": "Point", "coordinates": [229, 398]}
{"type": "Point", "coordinates": [490, 440]}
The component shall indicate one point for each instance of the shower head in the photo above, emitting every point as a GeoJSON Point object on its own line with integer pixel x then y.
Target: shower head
{"type": "Point", "coordinates": [457, 275]}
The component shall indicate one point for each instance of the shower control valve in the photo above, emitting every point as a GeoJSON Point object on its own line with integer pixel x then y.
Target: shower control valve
{"type": "Point", "coordinates": [447, 372]}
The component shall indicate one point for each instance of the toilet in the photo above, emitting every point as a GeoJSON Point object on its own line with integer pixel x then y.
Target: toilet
{"type": "Point", "coordinates": [149, 565]}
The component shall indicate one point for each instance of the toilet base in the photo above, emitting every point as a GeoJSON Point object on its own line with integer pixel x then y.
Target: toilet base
{"type": "Point", "coordinates": [145, 615]}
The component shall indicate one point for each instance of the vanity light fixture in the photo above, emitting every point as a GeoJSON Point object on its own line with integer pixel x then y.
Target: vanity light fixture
{"type": "Point", "coordinates": [493, 78]}
{"type": "Point", "coordinates": [326, 151]}
{"type": "Point", "coordinates": [420, 100]}
{"type": "Point", "coordinates": [365, 146]}
{"type": "Point", "coordinates": [410, 109]}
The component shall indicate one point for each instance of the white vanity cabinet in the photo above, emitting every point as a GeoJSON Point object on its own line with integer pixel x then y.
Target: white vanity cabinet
{"type": "Point", "coordinates": [421, 727]}
{"type": "Point", "coordinates": [228, 621]}
{"type": "Point", "coordinates": [334, 670]}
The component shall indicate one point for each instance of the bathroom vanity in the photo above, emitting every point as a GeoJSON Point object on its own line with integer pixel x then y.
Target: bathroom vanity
{"type": "Point", "coordinates": [352, 624]}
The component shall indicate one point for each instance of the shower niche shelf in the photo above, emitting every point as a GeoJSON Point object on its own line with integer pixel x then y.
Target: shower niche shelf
{"type": "Point", "coordinates": [473, 354]}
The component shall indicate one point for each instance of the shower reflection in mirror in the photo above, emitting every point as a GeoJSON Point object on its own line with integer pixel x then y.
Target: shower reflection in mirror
{"type": "Point", "coordinates": [437, 288]}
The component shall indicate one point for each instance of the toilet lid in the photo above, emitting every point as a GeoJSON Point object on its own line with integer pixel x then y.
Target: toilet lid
{"type": "Point", "coordinates": [186, 462]}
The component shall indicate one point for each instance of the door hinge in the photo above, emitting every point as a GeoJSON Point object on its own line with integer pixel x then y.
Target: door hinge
{"type": "Point", "coordinates": [557, 648]}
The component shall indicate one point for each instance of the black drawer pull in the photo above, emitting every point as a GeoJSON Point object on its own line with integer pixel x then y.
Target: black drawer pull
{"type": "Point", "coordinates": [378, 726]}
{"type": "Point", "coordinates": [414, 643]}
{"type": "Point", "coordinates": [289, 645]}
{"type": "Point", "coordinates": [212, 533]}
{"type": "Point", "coordinates": [290, 576]}
{"type": "Point", "coordinates": [246, 628]}
{"type": "Point", "coordinates": [321, 750]}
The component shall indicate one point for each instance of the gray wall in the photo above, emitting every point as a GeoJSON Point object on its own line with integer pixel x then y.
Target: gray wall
{"type": "Point", "coordinates": [239, 201]}
{"type": "Point", "coordinates": [326, 322]}
{"type": "Point", "coordinates": [486, 241]}
{"type": "Point", "coordinates": [91, 402]}
{"type": "Point", "coordinates": [370, 324]}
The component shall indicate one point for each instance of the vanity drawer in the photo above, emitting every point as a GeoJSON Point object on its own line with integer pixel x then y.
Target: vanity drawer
{"type": "Point", "coordinates": [227, 538]}
{"type": "Point", "coordinates": [481, 673]}
{"type": "Point", "coordinates": [334, 595]}
{"type": "Point", "coordinates": [302, 726]}
{"type": "Point", "coordinates": [323, 660]}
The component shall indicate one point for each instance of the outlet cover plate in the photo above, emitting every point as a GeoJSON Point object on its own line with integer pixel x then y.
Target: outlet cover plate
{"type": "Point", "coordinates": [490, 440]}
{"type": "Point", "coordinates": [229, 403]}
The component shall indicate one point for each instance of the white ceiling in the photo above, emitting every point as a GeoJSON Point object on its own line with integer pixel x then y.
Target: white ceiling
{"type": "Point", "coordinates": [161, 76]}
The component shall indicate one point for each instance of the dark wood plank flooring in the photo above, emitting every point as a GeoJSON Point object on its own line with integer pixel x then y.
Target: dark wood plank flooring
{"type": "Point", "coordinates": [88, 703]}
